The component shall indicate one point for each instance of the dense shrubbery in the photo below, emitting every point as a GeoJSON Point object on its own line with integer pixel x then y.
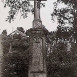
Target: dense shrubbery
{"type": "Point", "coordinates": [16, 64]}
{"type": "Point", "coordinates": [60, 62]}
{"type": "Point", "coordinates": [15, 56]}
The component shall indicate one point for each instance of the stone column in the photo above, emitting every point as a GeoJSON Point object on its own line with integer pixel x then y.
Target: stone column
{"type": "Point", "coordinates": [36, 9]}
{"type": "Point", "coordinates": [37, 23]}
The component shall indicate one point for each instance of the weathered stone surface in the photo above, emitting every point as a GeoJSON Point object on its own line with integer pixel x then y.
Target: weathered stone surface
{"type": "Point", "coordinates": [37, 62]}
{"type": "Point", "coordinates": [37, 23]}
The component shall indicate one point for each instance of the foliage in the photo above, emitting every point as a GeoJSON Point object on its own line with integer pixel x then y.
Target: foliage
{"type": "Point", "coordinates": [61, 63]}
{"type": "Point", "coordinates": [15, 64]}
{"type": "Point", "coordinates": [66, 15]}
{"type": "Point", "coordinates": [69, 2]}
{"type": "Point", "coordinates": [6, 43]}
{"type": "Point", "coordinates": [16, 59]}
{"type": "Point", "coordinates": [16, 6]}
{"type": "Point", "coordinates": [63, 32]}
{"type": "Point", "coordinates": [22, 6]}
{"type": "Point", "coordinates": [20, 29]}
{"type": "Point", "coordinates": [63, 15]}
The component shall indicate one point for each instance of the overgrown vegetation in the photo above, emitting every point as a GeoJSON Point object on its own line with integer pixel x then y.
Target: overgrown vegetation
{"type": "Point", "coordinates": [15, 55]}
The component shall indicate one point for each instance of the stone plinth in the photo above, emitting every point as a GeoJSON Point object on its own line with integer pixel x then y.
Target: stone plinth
{"type": "Point", "coordinates": [37, 53]}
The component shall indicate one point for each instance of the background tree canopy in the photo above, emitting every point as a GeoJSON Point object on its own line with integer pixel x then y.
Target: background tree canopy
{"type": "Point", "coordinates": [66, 15]}
{"type": "Point", "coordinates": [16, 6]}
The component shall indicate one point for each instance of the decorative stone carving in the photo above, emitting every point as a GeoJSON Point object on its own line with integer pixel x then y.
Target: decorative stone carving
{"type": "Point", "coordinates": [37, 24]}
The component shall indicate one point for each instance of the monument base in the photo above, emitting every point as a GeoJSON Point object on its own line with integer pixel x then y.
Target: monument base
{"type": "Point", "coordinates": [37, 52]}
{"type": "Point", "coordinates": [37, 75]}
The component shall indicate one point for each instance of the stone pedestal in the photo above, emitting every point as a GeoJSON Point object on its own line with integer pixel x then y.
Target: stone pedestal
{"type": "Point", "coordinates": [37, 53]}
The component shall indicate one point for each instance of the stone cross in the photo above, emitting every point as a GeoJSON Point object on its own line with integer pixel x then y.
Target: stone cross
{"type": "Point", "coordinates": [37, 21]}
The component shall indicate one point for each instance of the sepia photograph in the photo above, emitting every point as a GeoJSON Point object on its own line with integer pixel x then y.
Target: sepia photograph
{"type": "Point", "coordinates": [38, 38]}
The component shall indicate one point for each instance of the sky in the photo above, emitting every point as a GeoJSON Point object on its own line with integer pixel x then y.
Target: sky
{"type": "Point", "coordinates": [27, 23]}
